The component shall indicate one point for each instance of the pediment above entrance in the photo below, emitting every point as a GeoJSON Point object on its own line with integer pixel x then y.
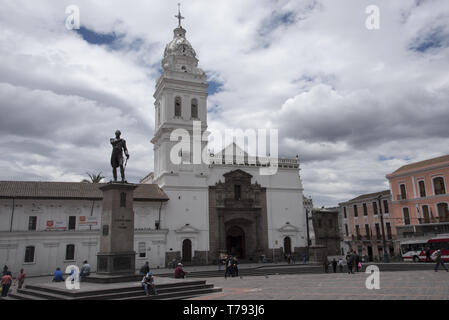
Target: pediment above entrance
{"type": "Point", "coordinates": [288, 229]}
{"type": "Point", "coordinates": [187, 229]}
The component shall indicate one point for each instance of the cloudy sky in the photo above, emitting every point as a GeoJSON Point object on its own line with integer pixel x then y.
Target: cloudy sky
{"type": "Point", "coordinates": [354, 103]}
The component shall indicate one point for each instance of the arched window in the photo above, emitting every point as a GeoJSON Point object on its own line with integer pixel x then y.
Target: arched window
{"type": "Point", "coordinates": [438, 185]}
{"type": "Point", "coordinates": [422, 189]}
{"type": "Point", "coordinates": [194, 108]}
{"type": "Point", "coordinates": [287, 245]}
{"type": "Point", "coordinates": [406, 216]}
{"type": "Point", "coordinates": [178, 104]}
{"type": "Point", "coordinates": [29, 254]}
{"type": "Point", "coordinates": [70, 252]}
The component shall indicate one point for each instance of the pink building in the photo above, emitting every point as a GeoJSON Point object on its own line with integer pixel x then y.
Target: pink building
{"type": "Point", "coordinates": [420, 198]}
{"type": "Point", "coordinates": [361, 225]}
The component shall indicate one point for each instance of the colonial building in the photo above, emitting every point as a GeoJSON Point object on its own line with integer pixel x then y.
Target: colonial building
{"type": "Point", "coordinates": [420, 198]}
{"type": "Point", "coordinates": [190, 210]}
{"type": "Point", "coordinates": [362, 229]}
{"type": "Point", "coordinates": [45, 225]}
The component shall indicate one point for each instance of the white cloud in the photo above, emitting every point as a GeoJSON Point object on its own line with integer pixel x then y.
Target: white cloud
{"type": "Point", "coordinates": [342, 96]}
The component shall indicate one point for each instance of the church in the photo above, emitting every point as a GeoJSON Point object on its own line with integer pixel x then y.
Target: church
{"type": "Point", "coordinates": [193, 211]}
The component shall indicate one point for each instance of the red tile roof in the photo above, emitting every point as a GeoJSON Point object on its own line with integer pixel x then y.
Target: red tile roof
{"type": "Point", "coordinates": [421, 164]}
{"type": "Point", "coordinates": [72, 190]}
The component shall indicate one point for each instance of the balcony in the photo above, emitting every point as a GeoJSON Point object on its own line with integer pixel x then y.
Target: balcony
{"type": "Point", "coordinates": [401, 197]}
{"type": "Point", "coordinates": [433, 220]}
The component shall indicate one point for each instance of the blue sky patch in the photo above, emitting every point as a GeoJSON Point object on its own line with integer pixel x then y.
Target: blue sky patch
{"type": "Point", "coordinates": [109, 39]}
{"type": "Point", "coordinates": [434, 39]}
{"type": "Point", "coordinates": [214, 87]}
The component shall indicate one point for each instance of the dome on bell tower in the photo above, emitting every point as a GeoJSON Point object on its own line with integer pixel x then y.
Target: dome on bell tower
{"type": "Point", "coordinates": [179, 55]}
{"type": "Point", "coordinates": [179, 46]}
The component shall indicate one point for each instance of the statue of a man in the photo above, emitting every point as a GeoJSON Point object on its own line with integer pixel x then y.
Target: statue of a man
{"type": "Point", "coordinates": [118, 147]}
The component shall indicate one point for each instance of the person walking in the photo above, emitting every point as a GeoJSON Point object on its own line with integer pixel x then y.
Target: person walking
{"type": "Point", "coordinates": [428, 259]}
{"type": "Point", "coordinates": [334, 265]}
{"type": "Point", "coordinates": [326, 265]}
{"type": "Point", "coordinates": [148, 283]}
{"type": "Point", "coordinates": [356, 262]}
{"type": "Point", "coordinates": [6, 282]}
{"type": "Point", "coordinates": [228, 267]}
{"type": "Point", "coordinates": [21, 279]}
{"type": "Point", "coordinates": [235, 267]}
{"type": "Point", "coordinates": [219, 262]}
{"type": "Point", "coordinates": [349, 262]}
{"type": "Point", "coordinates": [439, 260]}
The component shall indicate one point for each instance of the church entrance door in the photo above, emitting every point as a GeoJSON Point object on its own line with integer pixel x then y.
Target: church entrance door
{"type": "Point", "coordinates": [187, 251]}
{"type": "Point", "coordinates": [235, 242]}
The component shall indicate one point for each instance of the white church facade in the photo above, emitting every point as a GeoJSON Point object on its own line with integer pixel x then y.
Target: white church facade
{"type": "Point", "coordinates": [192, 210]}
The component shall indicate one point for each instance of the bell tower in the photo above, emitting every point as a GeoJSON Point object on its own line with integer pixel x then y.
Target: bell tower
{"type": "Point", "coordinates": [180, 102]}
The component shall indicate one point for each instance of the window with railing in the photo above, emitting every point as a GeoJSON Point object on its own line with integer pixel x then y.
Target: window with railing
{"type": "Point", "coordinates": [403, 194]}
{"type": "Point", "coordinates": [375, 207]}
{"type": "Point", "coordinates": [443, 212]}
{"type": "Point", "coordinates": [356, 214]}
{"type": "Point", "coordinates": [386, 210]}
{"type": "Point", "coordinates": [425, 213]}
{"type": "Point", "coordinates": [389, 234]}
{"type": "Point", "coordinates": [357, 232]}
{"type": "Point", "coordinates": [422, 189]}
{"type": "Point", "coordinates": [378, 236]}
{"type": "Point", "coordinates": [367, 231]}
{"type": "Point", "coordinates": [365, 209]}
{"type": "Point", "coordinates": [32, 223]}
{"type": "Point", "coordinates": [406, 214]}
{"type": "Point", "coordinates": [438, 185]}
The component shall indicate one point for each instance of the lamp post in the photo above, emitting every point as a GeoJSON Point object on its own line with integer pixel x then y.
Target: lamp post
{"type": "Point", "coordinates": [308, 235]}
{"type": "Point", "coordinates": [386, 258]}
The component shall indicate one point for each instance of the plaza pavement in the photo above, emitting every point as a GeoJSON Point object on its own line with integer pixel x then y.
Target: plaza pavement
{"type": "Point", "coordinates": [398, 285]}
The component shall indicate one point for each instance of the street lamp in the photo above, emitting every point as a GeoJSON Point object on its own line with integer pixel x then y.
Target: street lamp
{"type": "Point", "coordinates": [386, 258]}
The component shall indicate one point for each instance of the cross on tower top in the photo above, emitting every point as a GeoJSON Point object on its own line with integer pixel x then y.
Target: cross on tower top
{"type": "Point", "coordinates": [179, 16]}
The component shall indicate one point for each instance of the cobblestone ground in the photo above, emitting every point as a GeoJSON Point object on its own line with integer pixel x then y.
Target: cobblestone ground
{"type": "Point", "coordinates": [398, 285]}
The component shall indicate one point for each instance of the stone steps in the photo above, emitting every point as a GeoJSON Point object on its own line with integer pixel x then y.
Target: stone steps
{"type": "Point", "coordinates": [131, 292]}
{"type": "Point", "coordinates": [302, 269]}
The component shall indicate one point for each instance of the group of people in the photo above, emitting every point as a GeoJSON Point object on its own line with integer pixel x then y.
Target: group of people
{"type": "Point", "coordinates": [58, 276]}
{"type": "Point", "coordinates": [7, 280]}
{"type": "Point", "coordinates": [334, 263]}
{"type": "Point", "coordinates": [232, 266]}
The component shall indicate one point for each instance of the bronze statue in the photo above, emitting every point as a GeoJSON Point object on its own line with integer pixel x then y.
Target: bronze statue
{"type": "Point", "coordinates": [118, 147]}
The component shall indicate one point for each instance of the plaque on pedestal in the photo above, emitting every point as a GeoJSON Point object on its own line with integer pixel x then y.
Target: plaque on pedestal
{"type": "Point", "coordinates": [117, 255]}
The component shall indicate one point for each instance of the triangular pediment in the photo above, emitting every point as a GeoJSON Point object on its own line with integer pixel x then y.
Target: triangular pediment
{"type": "Point", "coordinates": [288, 228]}
{"type": "Point", "coordinates": [187, 229]}
{"type": "Point", "coordinates": [237, 174]}
{"type": "Point", "coordinates": [232, 149]}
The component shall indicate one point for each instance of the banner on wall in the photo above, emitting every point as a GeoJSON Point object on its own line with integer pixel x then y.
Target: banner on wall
{"type": "Point", "coordinates": [88, 221]}
{"type": "Point", "coordinates": [56, 225]}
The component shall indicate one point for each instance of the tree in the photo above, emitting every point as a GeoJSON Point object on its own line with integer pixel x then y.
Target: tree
{"type": "Point", "coordinates": [94, 178]}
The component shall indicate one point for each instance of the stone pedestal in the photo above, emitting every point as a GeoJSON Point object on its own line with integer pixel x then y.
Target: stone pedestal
{"type": "Point", "coordinates": [117, 255]}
